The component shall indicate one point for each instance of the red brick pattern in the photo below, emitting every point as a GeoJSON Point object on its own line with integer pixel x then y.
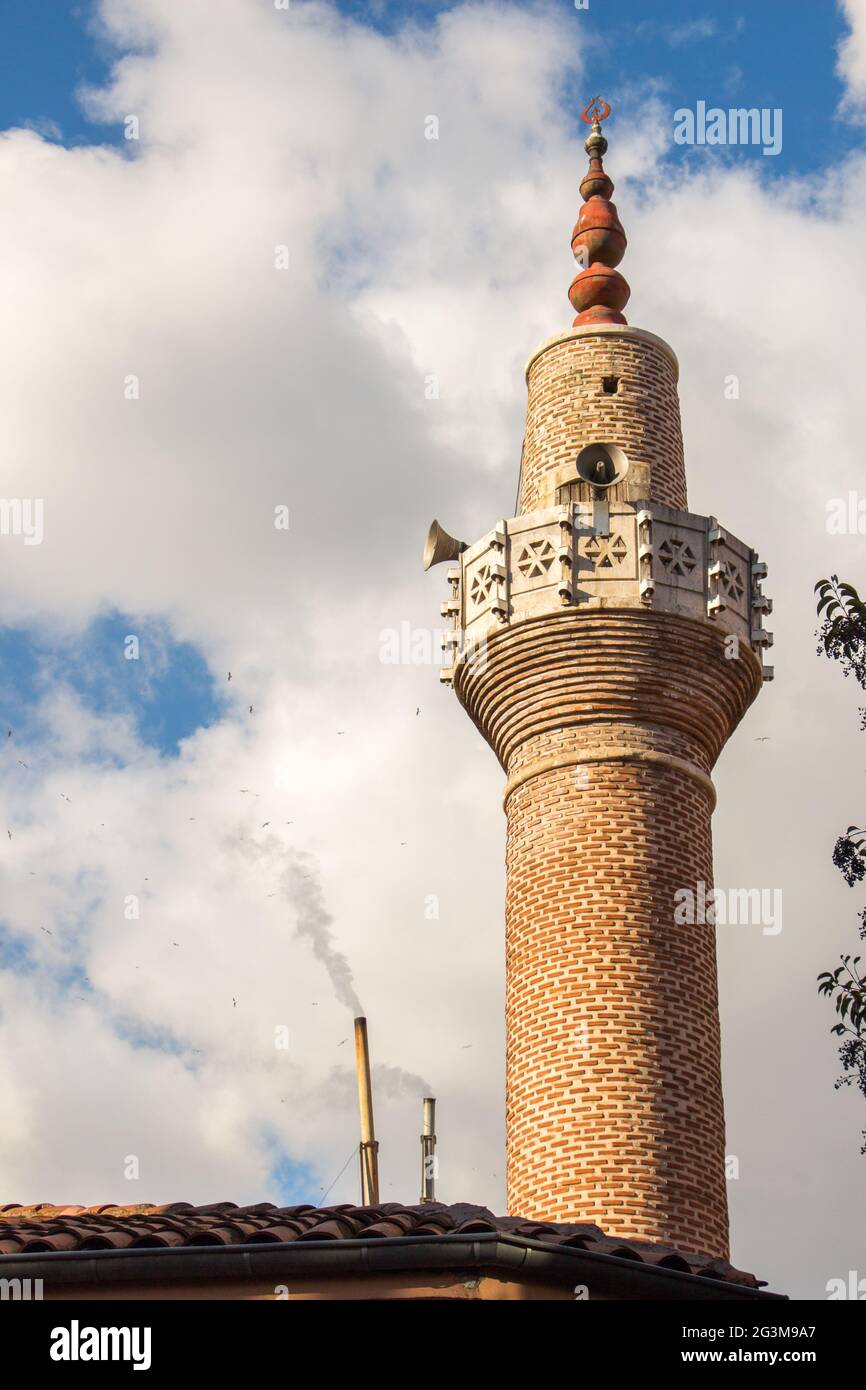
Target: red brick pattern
{"type": "Point", "coordinates": [614, 1107]}
{"type": "Point", "coordinates": [614, 1102]}
{"type": "Point", "coordinates": [568, 408]}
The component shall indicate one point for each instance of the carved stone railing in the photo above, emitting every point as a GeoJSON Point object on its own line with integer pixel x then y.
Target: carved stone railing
{"type": "Point", "coordinates": [614, 556]}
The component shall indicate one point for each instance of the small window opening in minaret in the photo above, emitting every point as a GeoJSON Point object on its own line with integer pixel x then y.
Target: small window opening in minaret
{"type": "Point", "coordinates": [609, 385]}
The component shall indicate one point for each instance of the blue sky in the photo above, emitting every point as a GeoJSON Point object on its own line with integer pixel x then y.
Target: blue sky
{"type": "Point", "coordinates": [167, 692]}
{"type": "Point", "coordinates": [776, 53]}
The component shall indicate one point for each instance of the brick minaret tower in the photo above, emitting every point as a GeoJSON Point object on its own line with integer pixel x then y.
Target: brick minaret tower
{"type": "Point", "coordinates": [607, 642]}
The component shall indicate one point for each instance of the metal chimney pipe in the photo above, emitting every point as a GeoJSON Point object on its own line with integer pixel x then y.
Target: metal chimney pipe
{"type": "Point", "coordinates": [369, 1149]}
{"type": "Point", "coordinates": [428, 1151]}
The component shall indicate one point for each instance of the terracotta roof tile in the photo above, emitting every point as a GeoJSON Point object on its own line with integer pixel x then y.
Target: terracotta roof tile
{"type": "Point", "coordinates": [159, 1239]}
{"type": "Point", "coordinates": [41, 1227]}
{"type": "Point", "coordinates": [108, 1240]}
{"type": "Point", "coordinates": [277, 1235]}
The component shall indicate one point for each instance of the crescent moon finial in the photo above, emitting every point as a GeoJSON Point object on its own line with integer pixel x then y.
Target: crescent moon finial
{"type": "Point", "coordinates": [596, 111]}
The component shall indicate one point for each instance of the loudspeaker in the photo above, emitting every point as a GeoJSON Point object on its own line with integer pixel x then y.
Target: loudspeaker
{"type": "Point", "coordinates": [440, 546]}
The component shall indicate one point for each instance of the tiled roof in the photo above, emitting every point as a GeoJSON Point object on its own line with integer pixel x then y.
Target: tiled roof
{"type": "Point", "coordinates": [43, 1228]}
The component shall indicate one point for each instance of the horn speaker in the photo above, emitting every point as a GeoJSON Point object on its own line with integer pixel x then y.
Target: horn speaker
{"type": "Point", "coordinates": [440, 546]}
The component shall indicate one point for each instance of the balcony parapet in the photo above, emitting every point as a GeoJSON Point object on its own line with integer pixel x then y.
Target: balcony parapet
{"type": "Point", "coordinates": [613, 555]}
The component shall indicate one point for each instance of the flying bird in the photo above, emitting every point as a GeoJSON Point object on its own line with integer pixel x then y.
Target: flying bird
{"type": "Point", "coordinates": [22, 764]}
{"type": "Point", "coordinates": [418, 711]}
{"type": "Point", "coordinates": [47, 932]}
{"type": "Point", "coordinates": [230, 675]}
{"type": "Point", "coordinates": [765, 739]}
{"type": "Point", "coordinates": [251, 709]}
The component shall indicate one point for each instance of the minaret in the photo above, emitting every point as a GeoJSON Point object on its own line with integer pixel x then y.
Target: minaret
{"type": "Point", "coordinates": [606, 642]}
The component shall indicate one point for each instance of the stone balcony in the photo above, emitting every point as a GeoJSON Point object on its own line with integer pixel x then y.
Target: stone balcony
{"type": "Point", "coordinates": [606, 555]}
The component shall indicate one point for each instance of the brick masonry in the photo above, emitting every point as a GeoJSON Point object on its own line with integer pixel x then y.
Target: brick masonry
{"type": "Point", "coordinates": [608, 724]}
{"type": "Point", "coordinates": [568, 408]}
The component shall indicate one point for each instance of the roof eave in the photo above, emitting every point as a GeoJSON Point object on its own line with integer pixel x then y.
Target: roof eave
{"type": "Point", "coordinates": [608, 1275]}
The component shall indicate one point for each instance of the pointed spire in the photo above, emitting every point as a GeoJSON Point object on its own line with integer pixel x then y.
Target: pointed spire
{"type": "Point", "coordinates": [599, 293]}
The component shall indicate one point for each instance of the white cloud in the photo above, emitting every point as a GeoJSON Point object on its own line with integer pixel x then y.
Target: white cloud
{"type": "Point", "coordinates": [677, 35]}
{"type": "Point", "coordinates": [692, 31]}
{"type": "Point", "coordinates": [407, 257]}
{"type": "Point", "coordinates": [852, 59]}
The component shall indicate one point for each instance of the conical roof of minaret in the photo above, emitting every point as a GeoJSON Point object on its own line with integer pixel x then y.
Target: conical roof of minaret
{"type": "Point", "coordinates": [599, 293]}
